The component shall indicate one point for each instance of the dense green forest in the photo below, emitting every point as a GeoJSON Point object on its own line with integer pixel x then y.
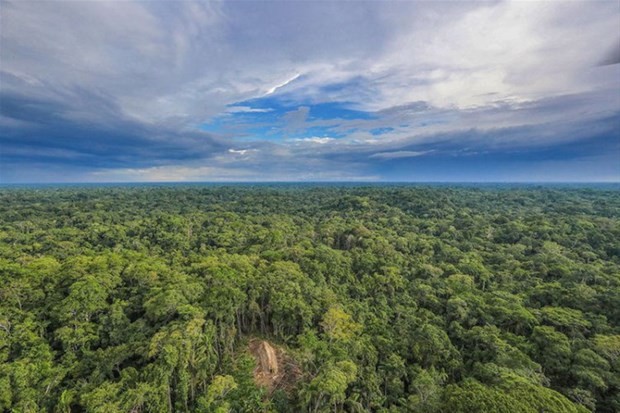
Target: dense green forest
{"type": "Point", "coordinates": [373, 299]}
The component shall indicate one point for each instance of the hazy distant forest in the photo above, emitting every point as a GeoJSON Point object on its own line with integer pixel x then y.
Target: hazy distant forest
{"type": "Point", "coordinates": [310, 299]}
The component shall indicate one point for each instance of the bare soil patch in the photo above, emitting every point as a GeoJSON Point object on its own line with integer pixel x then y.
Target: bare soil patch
{"type": "Point", "coordinates": [274, 368]}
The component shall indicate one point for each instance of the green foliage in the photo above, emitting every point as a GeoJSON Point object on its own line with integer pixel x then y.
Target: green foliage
{"type": "Point", "coordinates": [511, 395]}
{"type": "Point", "coordinates": [339, 325]}
{"type": "Point", "coordinates": [379, 299]}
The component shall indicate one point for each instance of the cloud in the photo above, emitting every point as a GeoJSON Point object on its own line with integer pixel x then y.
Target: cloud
{"type": "Point", "coordinates": [281, 85]}
{"type": "Point", "coordinates": [315, 139]}
{"type": "Point", "coordinates": [246, 109]}
{"type": "Point", "coordinates": [130, 86]}
{"type": "Point", "coordinates": [295, 120]}
{"type": "Point", "coordinates": [177, 173]}
{"type": "Point", "coordinates": [475, 55]}
{"type": "Point", "coordinates": [612, 57]}
{"type": "Point", "coordinates": [399, 154]}
{"type": "Point", "coordinates": [239, 151]}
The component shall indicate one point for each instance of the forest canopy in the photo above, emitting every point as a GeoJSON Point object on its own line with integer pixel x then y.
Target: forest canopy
{"type": "Point", "coordinates": [370, 298]}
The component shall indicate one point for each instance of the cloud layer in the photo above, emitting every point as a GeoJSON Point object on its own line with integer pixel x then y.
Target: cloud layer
{"type": "Point", "coordinates": [147, 91]}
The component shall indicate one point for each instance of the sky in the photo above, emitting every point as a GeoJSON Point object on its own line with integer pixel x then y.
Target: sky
{"type": "Point", "coordinates": [464, 91]}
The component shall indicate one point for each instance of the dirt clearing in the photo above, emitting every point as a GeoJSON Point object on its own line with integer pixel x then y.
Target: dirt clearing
{"type": "Point", "coordinates": [274, 369]}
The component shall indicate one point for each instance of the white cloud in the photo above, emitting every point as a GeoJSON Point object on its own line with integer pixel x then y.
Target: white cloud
{"type": "Point", "coordinates": [247, 109]}
{"type": "Point", "coordinates": [281, 85]}
{"type": "Point", "coordinates": [315, 139]}
{"type": "Point", "coordinates": [180, 173]}
{"type": "Point", "coordinates": [242, 152]}
{"type": "Point", "coordinates": [170, 173]}
{"type": "Point", "coordinates": [509, 51]}
{"type": "Point", "coordinates": [185, 63]}
{"type": "Point", "coordinates": [399, 154]}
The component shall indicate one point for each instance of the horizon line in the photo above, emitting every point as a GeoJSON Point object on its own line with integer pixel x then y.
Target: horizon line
{"type": "Point", "coordinates": [360, 182]}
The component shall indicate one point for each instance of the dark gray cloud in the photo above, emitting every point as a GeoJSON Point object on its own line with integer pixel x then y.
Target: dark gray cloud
{"type": "Point", "coordinates": [612, 57]}
{"type": "Point", "coordinates": [48, 132]}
